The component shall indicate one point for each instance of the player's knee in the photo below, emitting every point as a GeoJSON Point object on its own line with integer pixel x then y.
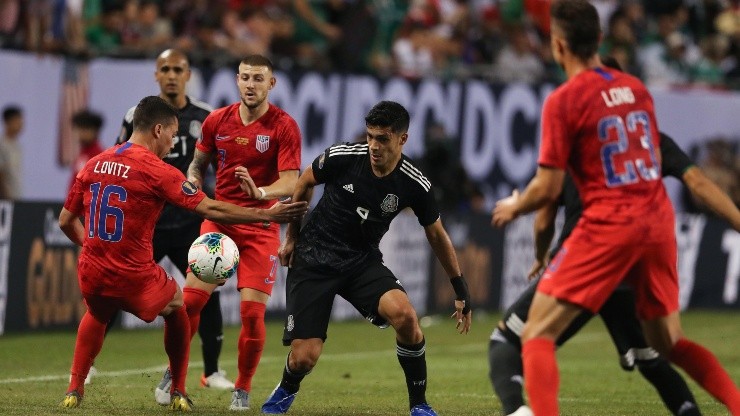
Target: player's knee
{"type": "Point", "coordinates": [303, 360]}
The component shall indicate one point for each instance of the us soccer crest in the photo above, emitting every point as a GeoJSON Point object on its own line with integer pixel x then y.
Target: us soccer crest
{"type": "Point", "coordinates": [262, 143]}
{"type": "Point", "coordinates": [390, 204]}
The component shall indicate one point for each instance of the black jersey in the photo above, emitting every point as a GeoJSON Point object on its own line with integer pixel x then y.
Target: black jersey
{"type": "Point", "coordinates": [357, 207]}
{"type": "Point", "coordinates": [190, 119]}
{"type": "Point", "coordinates": [674, 163]}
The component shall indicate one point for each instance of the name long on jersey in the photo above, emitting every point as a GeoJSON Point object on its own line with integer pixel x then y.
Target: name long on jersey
{"type": "Point", "coordinates": [190, 119]}
{"type": "Point", "coordinates": [357, 207]}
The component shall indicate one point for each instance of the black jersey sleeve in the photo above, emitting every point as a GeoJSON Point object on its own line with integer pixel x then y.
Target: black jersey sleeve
{"type": "Point", "coordinates": [127, 126]}
{"type": "Point", "coordinates": [675, 161]}
{"type": "Point", "coordinates": [334, 159]}
{"type": "Point", "coordinates": [425, 207]}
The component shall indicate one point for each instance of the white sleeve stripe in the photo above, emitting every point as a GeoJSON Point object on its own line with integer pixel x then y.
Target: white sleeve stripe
{"type": "Point", "coordinates": [348, 147]}
{"type": "Point", "coordinates": [412, 176]}
{"type": "Point", "coordinates": [346, 153]}
{"type": "Point", "coordinates": [201, 104]}
{"type": "Point", "coordinates": [129, 117]}
{"type": "Point", "coordinates": [412, 171]}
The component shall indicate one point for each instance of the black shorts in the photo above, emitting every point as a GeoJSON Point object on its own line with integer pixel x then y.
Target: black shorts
{"type": "Point", "coordinates": [175, 243]}
{"type": "Point", "coordinates": [310, 296]}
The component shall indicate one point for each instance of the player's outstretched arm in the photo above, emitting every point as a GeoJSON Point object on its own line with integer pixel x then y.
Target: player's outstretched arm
{"type": "Point", "coordinates": [544, 188]}
{"type": "Point", "coordinates": [284, 186]}
{"type": "Point", "coordinates": [72, 226]}
{"type": "Point", "coordinates": [445, 252]}
{"type": "Point", "coordinates": [709, 194]}
{"type": "Point", "coordinates": [197, 167]}
{"type": "Point", "coordinates": [302, 193]}
{"type": "Point", "coordinates": [226, 213]}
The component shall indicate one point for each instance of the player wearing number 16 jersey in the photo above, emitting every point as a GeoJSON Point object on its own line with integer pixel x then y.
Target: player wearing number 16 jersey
{"type": "Point", "coordinates": [119, 195]}
{"type": "Point", "coordinates": [600, 125]}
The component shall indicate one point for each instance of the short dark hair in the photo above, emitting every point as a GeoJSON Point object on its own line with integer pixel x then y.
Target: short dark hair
{"type": "Point", "coordinates": [153, 110]}
{"type": "Point", "coordinates": [389, 114]}
{"type": "Point", "coordinates": [87, 119]}
{"type": "Point", "coordinates": [579, 21]}
{"type": "Point", "coordinates": [11, 111]}
{"type": "Point", "coordinates": [257, 60]}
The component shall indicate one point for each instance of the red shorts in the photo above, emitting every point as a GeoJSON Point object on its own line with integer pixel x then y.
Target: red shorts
{"type": "Point", "coordinates": [258, 254]}
{"type": "Point", "coordinates": [585, 272]}
{"type": "Point", "coordinates": [146, 300]}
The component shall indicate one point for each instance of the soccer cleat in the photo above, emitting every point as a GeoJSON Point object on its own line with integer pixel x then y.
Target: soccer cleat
{"type": "Point", "coordinates": [71, 400]}
{"type": "Point", "coordinates": [423, 410]}
{"type": "Point", "coordinates": [181, 403]}
{"type": "Point", "coordinates": [162, 391]}
{"type": "Point", "coordinates": [522, 411]}
{"type": "Point", "coordinates": [279, 401]}
{"type": "Point", "coordinates": [239, 400]}
{"type": "Point", "coordinates": [217, 380]}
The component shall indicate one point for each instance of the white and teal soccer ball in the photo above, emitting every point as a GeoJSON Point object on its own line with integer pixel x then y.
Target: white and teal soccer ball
{"type": "Point", "coordinates": [213, 258]}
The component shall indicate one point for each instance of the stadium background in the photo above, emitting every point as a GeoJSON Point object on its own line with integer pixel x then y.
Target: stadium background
{"type": "Point", "coordinates": [490, 128]}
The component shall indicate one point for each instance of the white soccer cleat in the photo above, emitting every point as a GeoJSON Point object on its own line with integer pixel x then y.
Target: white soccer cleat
{"type": "Point", "coordinates": [162, 391]}
{"type": "Point", "coordinates": [522, 411]}
{"type": "Point", "coordinates": [217, 380]}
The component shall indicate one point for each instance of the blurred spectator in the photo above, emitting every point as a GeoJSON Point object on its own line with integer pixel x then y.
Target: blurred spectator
{"type": "Point", "coordinates": [708, 71]}
{"type": "Point", "coordinates": [389, 15]}
{"type": "Point", "coordinates": [518, 62]}
{"type": "Point", "coordinates": [54, 26]}
{"type": "Point", "coordinates": [105, 37]}
{"type": "Point", "coordinates": [151, 31]}
{"type": "Point", "coordinates": [86, 126]}
{"type": "Point", "coordinates": [11, 19]}
{"type": "Point", "coordinates": [314, 33]}
{"type": "Point", "coordinates": [11, 155]}
{"type": "Point", "coordinates": [620, 41]}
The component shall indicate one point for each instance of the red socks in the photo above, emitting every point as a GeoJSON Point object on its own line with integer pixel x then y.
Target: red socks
{"type": "Point", "coordinates": [195, 300]}
{"type": "Point", "coordinates": [704, 368]}
{"type": "Point", "coordinates": [541, 378]}
{"type": "Point", "coordinates": [251, 342]}
{"type": "Point", "coordinates": [177, 345]}
{"type": "Point", "coordinates": [90, 336]}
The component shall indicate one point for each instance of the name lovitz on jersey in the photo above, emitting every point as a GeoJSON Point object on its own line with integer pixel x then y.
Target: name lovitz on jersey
{"type": "Point", "coordinates": [112, 168]}
{"type": "Point", "coordinates": [618, 96]}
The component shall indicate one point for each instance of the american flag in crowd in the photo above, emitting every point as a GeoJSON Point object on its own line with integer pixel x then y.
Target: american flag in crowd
{"type": "Point", "coordinates": [75, 94]}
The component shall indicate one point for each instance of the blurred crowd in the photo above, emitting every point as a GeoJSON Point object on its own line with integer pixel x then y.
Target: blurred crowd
{"type": "Point", "coordinates": [668, 43]}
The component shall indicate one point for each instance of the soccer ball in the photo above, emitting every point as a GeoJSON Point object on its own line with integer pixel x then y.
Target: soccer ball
{"type": "Point", "coordinates": [213, 258]}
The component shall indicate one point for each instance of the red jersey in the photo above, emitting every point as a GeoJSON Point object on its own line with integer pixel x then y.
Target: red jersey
{"type": "Point", "coordinates": [601, 126]}
{"type": "Point", "coordinates": [120, 193]}
{"type": "Point", "coordinates": [265, 147]}
{"type": "Point", "coordinates": [86, 153]}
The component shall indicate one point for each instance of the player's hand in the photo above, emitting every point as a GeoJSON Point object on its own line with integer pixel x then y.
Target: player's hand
{"type": "Point", "coordinates": [246, 183]}
{"type": "Point", "coordinates": [286, 211]}
{"type": "Point", "coordinates": [505, 210]}
{"type": "Point", "coordinates": [538, 266]}
{"type": "Point", "coordinates": [463, 320]}
{"type": "Point", "coordinates": [285, 252]}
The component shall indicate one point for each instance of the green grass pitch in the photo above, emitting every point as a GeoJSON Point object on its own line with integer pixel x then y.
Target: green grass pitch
{"type": "Point", "coordinates": [358, 374]}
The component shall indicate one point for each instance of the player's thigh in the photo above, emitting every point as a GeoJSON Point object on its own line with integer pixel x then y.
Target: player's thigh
{"type": "Point", "coordinates": [585, 273]}
{"type": "Point", "coordinates": [154, 296]}
{"type": "Point", "coordinates": [309, 299]}
{"type": "Point", "coordinates": [102, 308]}
{"type": "Point", "coordinates": [365, 289]}
{"type": "Point", "coordinates": [549, 317]}
{"type": "Point", "coordinates": [655, 280]}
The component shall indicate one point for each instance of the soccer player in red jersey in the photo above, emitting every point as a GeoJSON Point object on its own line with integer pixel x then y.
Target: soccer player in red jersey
{"type": "Point", "coordinates": [262, 144]}
{"type": "Point", "coordinates": [600, 125]}
{"type": "Point", "coordinates": [119, 195]}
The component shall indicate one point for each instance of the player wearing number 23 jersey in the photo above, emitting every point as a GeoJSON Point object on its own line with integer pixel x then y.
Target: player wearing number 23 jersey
{"type": "Point", "coordinates": [627, 220]}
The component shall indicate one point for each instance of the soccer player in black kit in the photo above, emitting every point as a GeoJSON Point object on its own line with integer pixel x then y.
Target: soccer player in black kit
{"type": "Point", "coordinates": [336, 253]}
{"type": "Point", "coordinates": [178, 228]}
{"type": "Point", "coordinates": [618, 313]}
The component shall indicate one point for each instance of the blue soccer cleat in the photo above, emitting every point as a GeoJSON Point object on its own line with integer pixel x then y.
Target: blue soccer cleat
{"type": "Point", "coordinates": [279, 401]}
{"type": "Point", "coordinates": [423, 410]}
